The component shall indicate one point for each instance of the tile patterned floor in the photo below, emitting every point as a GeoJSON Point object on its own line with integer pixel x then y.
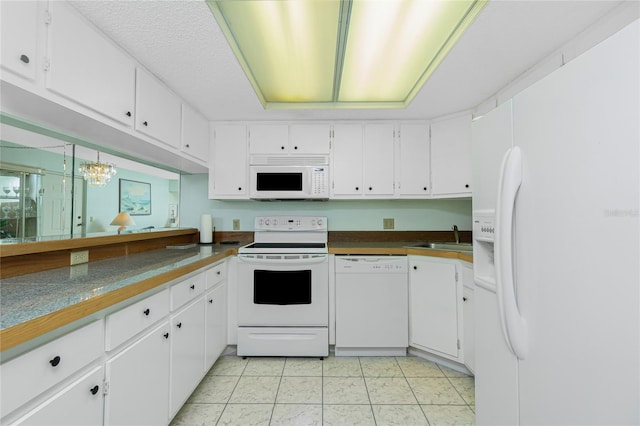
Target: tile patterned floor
{"type": "Point", "coordinates": [336, 391]}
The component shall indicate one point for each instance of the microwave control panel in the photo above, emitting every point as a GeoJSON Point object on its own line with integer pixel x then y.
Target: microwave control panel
{"type": "Point", "coordinates": [320, 181]}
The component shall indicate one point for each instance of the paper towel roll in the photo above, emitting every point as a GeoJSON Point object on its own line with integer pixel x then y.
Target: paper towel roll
{"type": "Point", "coordinates": [206, 231]}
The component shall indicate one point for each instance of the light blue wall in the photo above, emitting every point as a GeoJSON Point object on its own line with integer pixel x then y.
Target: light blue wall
{"type": "Point", "coordinates": [343, 215]}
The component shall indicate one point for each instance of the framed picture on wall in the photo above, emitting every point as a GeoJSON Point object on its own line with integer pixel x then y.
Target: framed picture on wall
{"type": "Point", "coordinates": [135, 197]}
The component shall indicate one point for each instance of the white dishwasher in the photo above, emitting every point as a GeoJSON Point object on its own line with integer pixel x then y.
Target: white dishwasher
{"type": "Point", "coordinates": [372, 316]}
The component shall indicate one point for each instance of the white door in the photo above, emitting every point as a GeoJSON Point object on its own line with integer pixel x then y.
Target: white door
{"type": "Point", "coordinates": [378, 159]}
{"type": "Point", "coordinates": [187, 352]}
{"type": "Point", "coordinates": [451, 156]}
{"type": "Point", "coordinates": [578, 291]}
{"type": "Point", "coordinates": [216, 323]}
{"type": "Point", "coordinates": [19, 37]}
{"type": "Point", "coordinates": [269, 139]}
{"type": "Point", "coordinates": [139, 381]}
{"type": "Point", "coordinates": [414, 171]}
{"type": "Point", "coordinates": [309, 138]}
{"type": "Point", "coordinates": [56, 202]}
{"type": "Point", "coordinates": [347, 159]}
{"type": "Point", "coordinates": [228, 164]}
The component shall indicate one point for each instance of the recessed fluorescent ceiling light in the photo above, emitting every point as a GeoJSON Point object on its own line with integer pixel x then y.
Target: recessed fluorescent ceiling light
{"type": "Point", "coordinates": [341, 53]}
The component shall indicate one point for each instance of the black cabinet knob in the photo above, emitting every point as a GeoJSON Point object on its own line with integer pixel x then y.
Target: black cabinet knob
{"type": "Point", "coordinates": [187, 145]}
{"type": "Point", "coordinates": [295, 147]}
{"type": "Point", "coordinates": [179, 325]}
{"type": "Point", "coordinates": [128, 113]}
{"type": "Point", "coordinates": [218, 273]}
{"type": "Point", "coordinates": [94, 390]}
{"type": "Point", "coordinates": [424, 188]}
{"type": "Point", "coordinates": [239, 188]}
{"type": "Point", "coordinates": [24, 58]}
{"type": "Point", "coordinates": [211, 301]}
{"type": "Point", "coordinates": [145, 123]}
{"type": "Point", "coordinates": [282, 147]}
{"type": "Point", "coordinates": [370, 188]}
{"type": "Point", "coordinates": [467, 185]}
{"type": "Point", "coordinates": [146, 312]}
{"type": "Point", "coordinates": [192, 286]}
{"type": "Point", "coordinates": [166, 335]}
{"type": "Point", "coordinates": [357, 188]}
{"type": "Point", "coordinates": [415, 268]}
{"type": "Point", "coordinates": [464, 299]}
{"type": "Point", "coordinates": [55, 361]}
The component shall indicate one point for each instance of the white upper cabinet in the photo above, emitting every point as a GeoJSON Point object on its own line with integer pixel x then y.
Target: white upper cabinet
{"type": "Point", "coordinates": [88, 68]}
{"type": "Point", "coordinates": [158, 109]}
{"type": "Point", "coordinates": [19, 41]}
{"type": "Point", "coordinates": [378, 160]}
{"type": "Point", "coordinates": [451, 156]}
{"type": "Point", "coordinates": [309, 138]}
{"type": "Point", "coordinates": [413, 170]}
{"type": "Point", "coordinates": [268, 139]}
{"type": "Point", "coordinates": [346, 171]}
{"type": "Point", "coordinates": [228, 162]}
{"type": "Point", "coordinates": [195, 134]}
{"type": "Point", "coordinates": [363, 160]}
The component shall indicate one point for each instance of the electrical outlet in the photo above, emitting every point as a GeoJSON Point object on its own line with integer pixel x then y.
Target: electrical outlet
{"type": "Point", "coordinates": [236, 224]}
{"type": "Point", "coordinates": [78, 257]}
{"type": "Point", "coordinates": [388, 223]}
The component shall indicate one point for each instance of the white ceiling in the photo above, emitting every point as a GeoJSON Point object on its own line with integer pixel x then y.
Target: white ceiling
{"type": "Point", "coordinates": [181, 43]}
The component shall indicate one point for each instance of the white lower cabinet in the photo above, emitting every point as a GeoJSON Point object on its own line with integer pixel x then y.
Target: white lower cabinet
{"type": "Point", "coordinates": [79, 404]}
{"type": "Point", "coordinates": [216, 323]}
{"type": "Point", "coordinates": [138, 381]}
{"type": "Point", "coordinates": [187, 352]}
{"type": "Point", "coordinates": [434, 312]}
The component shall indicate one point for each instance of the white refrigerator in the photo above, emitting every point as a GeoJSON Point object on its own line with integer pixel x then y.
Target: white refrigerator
{"type": "Point", "coordinates": [556, 253]}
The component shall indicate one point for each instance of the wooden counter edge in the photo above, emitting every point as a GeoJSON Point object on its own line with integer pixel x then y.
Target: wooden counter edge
{"type": "Point", "coordinates": [18, 249]}
{"type": "Point", "coordinates": [21, 333]}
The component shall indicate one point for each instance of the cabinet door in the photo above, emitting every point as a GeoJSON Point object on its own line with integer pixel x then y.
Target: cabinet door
{"type": "Point", "coordinates": [158, 110]}
{"type": "Point", "coordinates": [378, 159]}
{"type": "Point", "coordinates": [187, 352]}
{"type": "Point", "coordinates": [138, 380]}
{"type": "Point", "coordinates": [451, 156]}
{"type": "Point", "coordinates": [347, 159]}
{"type": "Point", "coordinates": [216, 323]}
{"type": "Point", "coordinates": [414, 168]}
{"type": "Point", "coordinates": [433, 306]}
{"type": "Point", "coordinates": [309, 138]}
{"type": "Point", "coordinates": [79, 404]}
{"type": "Point", "coordinates": [268, 139]}
{"type": "Point", "coordinates": [228, 163]}
{"type": "Point", "coordinates": [87, 67]}
{"type": "Point", "coordinates": [195, 134]}
{"type": "Point", "coordinates": [469, 338]}
{"type": "Point", "coordinates": [19, 21]}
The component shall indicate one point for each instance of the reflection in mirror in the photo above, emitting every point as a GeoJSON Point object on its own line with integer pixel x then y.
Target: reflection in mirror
{"type": "Point", "coordinates": [44, 197]}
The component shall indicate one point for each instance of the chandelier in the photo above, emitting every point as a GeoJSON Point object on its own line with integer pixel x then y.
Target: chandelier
{"type": "Point", "coordinates": [97, 173]}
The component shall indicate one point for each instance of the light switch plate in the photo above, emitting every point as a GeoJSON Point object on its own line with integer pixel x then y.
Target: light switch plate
{"type": "Point", "coordinates": [388, 223]}
{"type": "Point", "coordinates": [236, 224]}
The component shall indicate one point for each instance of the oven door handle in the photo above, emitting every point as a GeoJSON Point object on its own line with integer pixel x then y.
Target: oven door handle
{"type": "Point", "coordinates": [281, 259]}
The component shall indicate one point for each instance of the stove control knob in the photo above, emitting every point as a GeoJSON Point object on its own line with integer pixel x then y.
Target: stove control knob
{"type": "Point", "coordinates": [275, 222]}
{"type": "Point", "coordinates": [266, 222]}
{"type": "Point", "coordinates": [319, 222]}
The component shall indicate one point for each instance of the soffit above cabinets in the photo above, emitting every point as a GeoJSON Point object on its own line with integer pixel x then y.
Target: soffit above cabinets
{"type": "Point", "coordinates": [180, 42]}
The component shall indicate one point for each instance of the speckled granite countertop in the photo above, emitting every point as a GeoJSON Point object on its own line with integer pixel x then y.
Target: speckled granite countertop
{"type": "Point", "coordinates": [26, 297]}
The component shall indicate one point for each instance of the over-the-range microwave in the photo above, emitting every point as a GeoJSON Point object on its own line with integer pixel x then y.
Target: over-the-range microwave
{"type": "Point", "coordinates": [289, 177]}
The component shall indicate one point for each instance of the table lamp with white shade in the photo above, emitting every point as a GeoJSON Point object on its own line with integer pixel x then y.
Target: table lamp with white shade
{"type": "Point", "coordinates": [122, 220]}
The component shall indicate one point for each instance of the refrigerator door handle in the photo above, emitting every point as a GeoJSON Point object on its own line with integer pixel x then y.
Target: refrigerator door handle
{"type": "Point", "coordinates": [514, 326]}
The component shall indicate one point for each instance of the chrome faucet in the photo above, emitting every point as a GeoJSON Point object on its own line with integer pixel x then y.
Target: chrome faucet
{"type": "Point", "coordinates": [456, 235]}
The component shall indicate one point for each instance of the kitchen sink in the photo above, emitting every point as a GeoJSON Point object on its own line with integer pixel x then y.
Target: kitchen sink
{"type": "Point", "coordinates": [452, 246]}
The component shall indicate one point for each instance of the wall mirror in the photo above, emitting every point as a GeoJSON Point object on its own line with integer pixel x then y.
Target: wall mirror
{"type": "Point", "coordinates": [45, 196]}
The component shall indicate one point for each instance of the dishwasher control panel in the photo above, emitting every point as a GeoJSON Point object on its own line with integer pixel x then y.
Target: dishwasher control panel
{"type": "Point", "coordinates": [371, 264]}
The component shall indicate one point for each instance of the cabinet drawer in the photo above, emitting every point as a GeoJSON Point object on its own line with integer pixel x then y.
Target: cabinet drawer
{"type": "Point", "coordinates": [80, 403]}
{"type": "Point", "coordinates": [186, 290]}
{"type": "Point", "coordinates": [216, 275]}
{"type": "Point", "coordinates": [128, 322]}
{"type": "Point", "coordinates": [29, 375]}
